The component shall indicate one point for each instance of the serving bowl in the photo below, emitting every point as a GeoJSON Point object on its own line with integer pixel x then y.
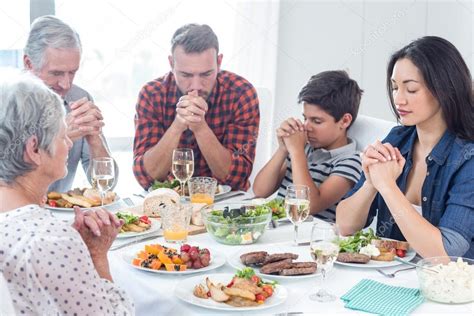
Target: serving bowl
{"type": "Point", "coordinates": [236, 223]}
{"type": "Point", "coordinates": [453, 282]}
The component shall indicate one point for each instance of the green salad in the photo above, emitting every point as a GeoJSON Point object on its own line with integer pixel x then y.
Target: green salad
{"type": "Point", "coordinates": [359, 240]}
{"type": "Point", "coordinates": [127, 217]}
{"type": "Point", "coordinates": [237, 226]}
{"type": "Point", "coordinates": [277, 206]}
{"type": "Point", "coordinates": [165, 184]}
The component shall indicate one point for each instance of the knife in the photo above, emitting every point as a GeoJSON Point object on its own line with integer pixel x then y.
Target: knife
{"type": "Point", "coordinates": [135, 241]}
{"type": "Point", "coordinates": [228, 196]}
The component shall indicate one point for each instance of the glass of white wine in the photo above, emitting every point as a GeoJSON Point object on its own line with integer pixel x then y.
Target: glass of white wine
{"type": "Point", "coordinates": [182, 166]}
{"type": "Point", "coordinates": [324, 250]}
{"type": "Point", "coordinates": [297, 206]}
{"type": "Point", "coordinates": [103, 175]}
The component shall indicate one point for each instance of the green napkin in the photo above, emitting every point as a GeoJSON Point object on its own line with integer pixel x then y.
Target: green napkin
{"type": "Point", "coordinates": [378, 298]}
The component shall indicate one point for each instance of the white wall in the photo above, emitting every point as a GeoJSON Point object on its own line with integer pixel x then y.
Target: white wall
{"type": "Point", "coordinates": [358, 36]}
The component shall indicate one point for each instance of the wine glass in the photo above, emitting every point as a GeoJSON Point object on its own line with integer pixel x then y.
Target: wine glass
{"type": "Point", "coordinates": [182, 165]}
{"type": "Point", "coordinates": [103, 175]}
{"type": "Point", "coordinates": [297, 206]}
{"type": "Point", "coordinates": [324, 250]}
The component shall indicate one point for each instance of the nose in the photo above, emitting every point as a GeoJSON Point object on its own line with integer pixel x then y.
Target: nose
{"type": "Point", "coordinates": [399, 97]}
{"type": "Point", "coordinates": [65, 82]}
{"type": "Point", "coordinates": [306, 125]}
{"type": "Point", "coordinates": [196, 83]}
{"type": "Point", "coordinates": [69, 142]}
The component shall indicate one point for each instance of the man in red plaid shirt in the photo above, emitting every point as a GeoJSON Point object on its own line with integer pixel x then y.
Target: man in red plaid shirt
{"type": "Point", "coordinates": [197, 106]}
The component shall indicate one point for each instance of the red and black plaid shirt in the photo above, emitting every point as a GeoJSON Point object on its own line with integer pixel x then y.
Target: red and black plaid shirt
{"type": "Point", "coordinates": [233, 116]}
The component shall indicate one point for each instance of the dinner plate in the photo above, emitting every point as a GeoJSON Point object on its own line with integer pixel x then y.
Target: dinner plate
{"type": "Point", "coordinates": [223, 190]}
{"type": "Point", "coordinates": [70, 209]}
{"type": "Point", "coordinates": [217, 260]}
{"type": "Point", "coordinates": [302, 252]}
{"type": "Point", "coordinates": [155, 226]}
{"type": "Point", "coordinates": [184, 291]}
{"type": "Point", "coordinates": [379, 264]}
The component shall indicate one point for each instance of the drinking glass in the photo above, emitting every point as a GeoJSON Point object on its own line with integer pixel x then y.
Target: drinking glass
{"type": "Point", "coordinates": [297, 206]}
{"type": "Point", "coordinates": [182, 166]}
{"type": "Point", "coordinates": [175, 221]}
{"type": "Point", "coordinates": [202, 190]}
{"type": "Point", "coordinates": [103, 175]}
{"type": "Point", "coordinates": [324, 250]}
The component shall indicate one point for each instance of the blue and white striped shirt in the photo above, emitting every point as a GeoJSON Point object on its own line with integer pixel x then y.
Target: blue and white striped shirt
{"type": "Point", "coordinates": [343, 161]}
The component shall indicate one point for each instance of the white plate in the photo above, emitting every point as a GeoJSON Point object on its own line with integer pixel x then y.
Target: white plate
{"type": "Point", "coordinates": [223, 189]}
{"type": "Point", "coordinates": [380, 264]}
{"type": "Point", "coordinates": [184, 291]}
{"type": "Point", "coordinates": [155, 226]}
{"type": "Point", "coordinates": [302, 252]}
{"type": "Point", "coordinates": [217, 260]}
{"type": "Point", "coordinates": [69, 209]}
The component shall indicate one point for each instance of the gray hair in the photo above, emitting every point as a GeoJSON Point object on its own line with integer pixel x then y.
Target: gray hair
{"type": "Point", "coordinates": [49, 31]}
{"type": "Point", "coordinates": [195, 38]}
{"type": "Point", "coordinates": [27, 108]}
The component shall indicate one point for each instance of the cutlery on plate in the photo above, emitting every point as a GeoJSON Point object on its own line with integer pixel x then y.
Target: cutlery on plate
{"type": "Point", "coordinates": [128, 201]}
{"type": "Point", "coordinates": [392, 275]}
{"type": "Point", "coordinates": [134, 241]}
{"type": "Point", "coordinates": [226, 196]}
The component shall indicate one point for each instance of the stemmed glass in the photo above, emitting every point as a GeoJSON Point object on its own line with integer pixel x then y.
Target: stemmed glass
{"type": "Point", "coordinates": [103, 175]}
{"type": "Point", "coordinates": [324, 250]}
{"type": "Point", "coordinates": [183, 165]}
{"type": "Point", "coordinates": [297, 206]}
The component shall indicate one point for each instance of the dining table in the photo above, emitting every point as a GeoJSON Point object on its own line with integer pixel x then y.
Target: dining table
{"type": "Point", "coordinates": [154, 294]}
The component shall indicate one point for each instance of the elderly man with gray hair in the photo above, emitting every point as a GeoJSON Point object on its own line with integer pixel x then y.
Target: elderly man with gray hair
{"type": "Point", "coordinates": [51, 267]}
{"type": "Point", "coordinates": [53, 53]}
{"type": "Point", "coordinates": [199, 106]}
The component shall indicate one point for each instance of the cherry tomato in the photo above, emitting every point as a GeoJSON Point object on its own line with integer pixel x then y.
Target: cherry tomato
{"type": "Point", "coordinates": [268, 289]}
{"type": "Point", "coordinates": [145, 219]}
{"type": "Point", "coordinates": [53, 203]}
{"type": "Point", "coordinates": [260, 298]}
{"type": "Point", "coordinates": [401, 253]}
{"type": "Point", "coordinates": [255, 279]}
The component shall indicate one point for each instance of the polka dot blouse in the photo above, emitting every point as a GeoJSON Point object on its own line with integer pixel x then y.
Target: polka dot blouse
{"type": "Point", "coordinates": [49, 270]}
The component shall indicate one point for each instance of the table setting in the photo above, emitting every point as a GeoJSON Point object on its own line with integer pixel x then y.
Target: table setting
{"type": "Point", "coordinates": [184, 245]}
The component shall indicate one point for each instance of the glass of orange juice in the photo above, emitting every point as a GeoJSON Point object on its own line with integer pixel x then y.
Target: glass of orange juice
{"type": "Point", "coordinates": [202, 190]}
{"type": "Point", "coordinates": [175, 222]}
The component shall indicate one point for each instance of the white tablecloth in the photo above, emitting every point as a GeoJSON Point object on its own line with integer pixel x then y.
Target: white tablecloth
{"type": "Point", "coordinates": [153, 293]}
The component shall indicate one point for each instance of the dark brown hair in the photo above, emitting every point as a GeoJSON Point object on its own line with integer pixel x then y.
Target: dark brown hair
{"type": "Point", "coordinates": [334, 92]}
{"type": "Point", "coordinates": [447, 77]}
{"type": "Point", "coordinates": [195, 38]}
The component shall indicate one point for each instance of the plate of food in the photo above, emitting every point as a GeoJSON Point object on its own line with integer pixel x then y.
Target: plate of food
{"type": "Point", "coordinates": [243, 291]}
{"type": "Point", "coordinates": [162, 259]}
{"type": "Point", "coordinates": [220, 188]}
{"type": "Point", "coordinates": [84, 198]}
{"type": "Point", "coordinates": [287, 263]}
{"type": "Point", "coordinates": [135, 225]}
{"type": "Point", "coordinates": [365, 250]}
{"type": "Point", "coordinates": [277, 205]}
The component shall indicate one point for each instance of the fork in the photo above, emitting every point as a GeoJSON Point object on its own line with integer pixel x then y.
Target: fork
{"type": "Point", "coordinates": [392, 275]}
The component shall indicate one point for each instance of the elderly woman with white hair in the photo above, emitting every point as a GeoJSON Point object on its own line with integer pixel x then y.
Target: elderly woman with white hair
{"type": "Point", "coordinates": [50, 267]}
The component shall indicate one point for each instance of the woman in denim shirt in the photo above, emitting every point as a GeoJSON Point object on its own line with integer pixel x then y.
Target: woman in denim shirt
{"type": "Point", "coordinates": [420, 178]}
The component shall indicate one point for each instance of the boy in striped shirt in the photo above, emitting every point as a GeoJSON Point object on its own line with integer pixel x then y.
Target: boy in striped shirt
{"type": "Point", "coordinates": [317, 151]}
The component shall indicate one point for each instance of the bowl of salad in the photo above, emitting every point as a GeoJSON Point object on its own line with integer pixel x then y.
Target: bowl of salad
{"type": "Point", "coordinates": [236, 223]}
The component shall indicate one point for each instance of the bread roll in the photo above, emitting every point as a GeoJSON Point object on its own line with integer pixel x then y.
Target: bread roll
{"type": "Point", "coordinates": [159, 199]}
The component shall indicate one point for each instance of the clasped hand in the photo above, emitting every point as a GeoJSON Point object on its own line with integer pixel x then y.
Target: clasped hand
{"type": "Point", "coordinates": [291, 135]}
{"type": "Point", "coordinates": [190, 111]}
{"type": "Point", "coordinates": [382, 165]}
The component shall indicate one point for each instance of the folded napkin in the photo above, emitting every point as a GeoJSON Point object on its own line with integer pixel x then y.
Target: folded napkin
{"type": "Point", "coordinates": [378, 298]}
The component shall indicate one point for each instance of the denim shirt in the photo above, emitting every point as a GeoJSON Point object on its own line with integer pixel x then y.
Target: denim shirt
{"type": "Point", "coordinates": [447, 192]}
